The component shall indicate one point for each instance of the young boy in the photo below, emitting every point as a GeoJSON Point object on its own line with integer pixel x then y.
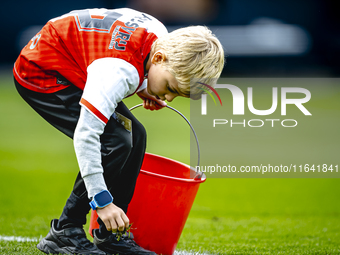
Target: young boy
{"type": "Point", "coordinates": [75, 73]}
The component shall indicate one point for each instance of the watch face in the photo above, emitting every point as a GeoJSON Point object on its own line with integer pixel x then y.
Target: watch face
{"type": "Point", "coordinates": [103, 198]}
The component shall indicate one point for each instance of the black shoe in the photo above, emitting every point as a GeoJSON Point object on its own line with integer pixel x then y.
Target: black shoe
{"type": "Point", "coordinates": [67, 241]}
{"type": "Point", "coordinates": [125, 245]}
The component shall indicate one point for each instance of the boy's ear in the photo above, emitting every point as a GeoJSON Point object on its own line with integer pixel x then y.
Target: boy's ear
{"type": "Point", "coordinates": [158, 57]}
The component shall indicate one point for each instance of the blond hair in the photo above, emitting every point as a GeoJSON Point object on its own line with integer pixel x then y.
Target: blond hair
{"type": "Point", "coordinates": [192, 53]}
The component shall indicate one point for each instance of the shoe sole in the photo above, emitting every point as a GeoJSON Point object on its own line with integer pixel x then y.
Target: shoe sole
{"type": "Point", "coordinates": [47, 247]}
{"type": "Point", "coordinates": [50, 247]}
{"type": "Point", "coordinates": [116, 252]}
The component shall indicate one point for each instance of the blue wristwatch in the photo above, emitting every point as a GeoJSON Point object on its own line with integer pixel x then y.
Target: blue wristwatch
{"type": "Point", "coordinates": [101, 199]}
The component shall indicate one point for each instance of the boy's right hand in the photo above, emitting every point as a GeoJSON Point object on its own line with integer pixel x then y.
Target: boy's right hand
{"type": "Point", "coordinates": [113, 217]}
{"type": "Point", "coordinates": [150, 102]}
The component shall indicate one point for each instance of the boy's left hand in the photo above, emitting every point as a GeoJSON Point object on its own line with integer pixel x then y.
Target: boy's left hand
{"type": "Point", "coordinates": [150, 102]}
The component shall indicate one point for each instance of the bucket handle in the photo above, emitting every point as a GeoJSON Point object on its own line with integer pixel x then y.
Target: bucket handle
{"type": "Point", "coordinates": [198, 173]}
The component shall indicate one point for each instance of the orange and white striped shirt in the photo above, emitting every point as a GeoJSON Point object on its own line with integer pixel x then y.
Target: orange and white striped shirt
{"type": "Point", "coordinates": [68, 48]}
{"type": "Point", "coordinates": [101, 52]}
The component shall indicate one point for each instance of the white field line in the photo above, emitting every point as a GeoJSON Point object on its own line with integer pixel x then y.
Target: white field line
{"type": "Point", "coordinates": [35, 239]}
{"type": "Point", "coordinates": [188, 253]}
{"type": "Point", "coordinates": [18, 239]}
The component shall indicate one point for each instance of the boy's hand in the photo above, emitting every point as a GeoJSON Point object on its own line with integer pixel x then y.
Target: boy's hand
{"type": "Point", "coordinates": [150, 102]}
{"type": "Point", "coordinates": [113, 217]}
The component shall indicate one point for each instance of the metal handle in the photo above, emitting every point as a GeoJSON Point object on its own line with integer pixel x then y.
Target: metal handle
{"type": "Point", "coordinates": [199, 174]}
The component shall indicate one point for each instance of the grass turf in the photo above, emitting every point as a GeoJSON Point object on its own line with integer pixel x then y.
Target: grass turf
{"type": "Point", "coordinates": [229, 216]}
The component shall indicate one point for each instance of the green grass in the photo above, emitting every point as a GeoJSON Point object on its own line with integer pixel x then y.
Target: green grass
{"type": "Point", "coordinates": [229, 216]}
{"type": "Point", "coordinates": [265, 216]}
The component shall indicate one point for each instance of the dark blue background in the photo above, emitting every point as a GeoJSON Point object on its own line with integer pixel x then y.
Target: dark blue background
{"type": "Point", "coordinates": [319, 18]}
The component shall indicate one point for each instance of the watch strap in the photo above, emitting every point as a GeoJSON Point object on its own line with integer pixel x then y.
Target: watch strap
{"type": "Point", "coordinates": [93, 204]}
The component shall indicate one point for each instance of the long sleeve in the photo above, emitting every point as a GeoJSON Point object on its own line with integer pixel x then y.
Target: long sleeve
{"type": "Point", "coordinates": [87, 147]}
{"type": "Point", "coordinates": [109, 81]}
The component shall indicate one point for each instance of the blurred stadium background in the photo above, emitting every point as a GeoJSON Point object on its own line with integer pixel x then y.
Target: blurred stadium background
{"type": "Point", "coordinates": [261, 38]}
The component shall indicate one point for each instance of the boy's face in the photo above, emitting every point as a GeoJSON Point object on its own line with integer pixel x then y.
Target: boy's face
{"type": "Point", "coordinates": [161, 83]}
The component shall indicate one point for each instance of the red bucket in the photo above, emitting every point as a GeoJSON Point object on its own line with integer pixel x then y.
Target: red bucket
{"type": "Point", "coordinates": [164, 194]}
